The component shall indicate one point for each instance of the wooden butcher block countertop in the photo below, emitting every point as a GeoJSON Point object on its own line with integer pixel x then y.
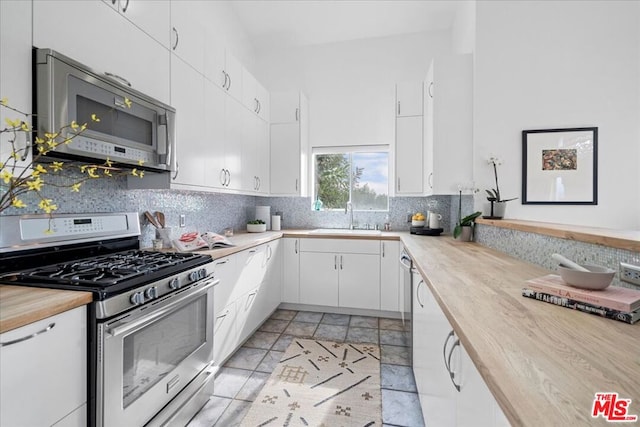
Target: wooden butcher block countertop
{"type": "Point", "coordinates": [21, 305]}
{"type": "Point", "coordinates": [543, 363]}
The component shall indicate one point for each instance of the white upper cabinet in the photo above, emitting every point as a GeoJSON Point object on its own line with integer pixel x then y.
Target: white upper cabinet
{"type": "Point", "coordinates": [187, 33]}
{"type": "Point", "coordinates": [285, 107]}
{"type": "Point", "coordinates": [409, 99]}
{"type": "Point", "coordinates": [409, 155]}
{"type": "Point", "coordinates": [448, 124]}
{"type": "Point", "coordinates": [233, 75]}
{"type": "Point", "coordinates": [254, 96]}
{"type": "Point", "coordinates": [289, 149]}
{"type": "Point", "coordinates": [15, 75]}
{"type": "Point", "coordinates": [151, 16]}
{"type": "Point", "coordinates": [102, 39]}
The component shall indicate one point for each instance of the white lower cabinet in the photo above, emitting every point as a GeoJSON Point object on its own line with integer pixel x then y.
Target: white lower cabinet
{"type": "Point", "coordinates": [47, 371]}
{"type": "Point", "coordinates": [290, 270]}
{"type": "Point", "coordinates": [389, 275]}
{"type": "Point", "coordinates": [340, 273]}
{"type": "Point", "coordinates": [451, 390]}
{"type": "Point", "coordinates": [248, 292]}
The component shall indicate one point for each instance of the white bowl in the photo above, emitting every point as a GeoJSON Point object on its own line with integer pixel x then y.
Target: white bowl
{"type": "Point", "coordinates": [256, 228]}
{"type": "Point", "coordinates": [597, 278]}
{"type": "Point", "coordinates": [415, 223]}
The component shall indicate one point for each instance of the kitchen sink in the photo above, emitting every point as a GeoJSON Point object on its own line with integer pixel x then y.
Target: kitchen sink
{"type": "Point", "coordinates": [345, 231]}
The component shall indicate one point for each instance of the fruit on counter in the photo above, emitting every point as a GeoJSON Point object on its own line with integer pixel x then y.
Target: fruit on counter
{"type": "Point", "coordinates": [418, 217]}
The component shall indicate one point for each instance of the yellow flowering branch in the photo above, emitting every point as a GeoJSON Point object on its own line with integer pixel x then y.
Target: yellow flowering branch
{"type": "Point", "coordinates": [18, 177]}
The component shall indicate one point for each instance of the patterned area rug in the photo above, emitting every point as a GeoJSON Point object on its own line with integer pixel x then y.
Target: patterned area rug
{"type": "Point", "coordinates": [321, 384]}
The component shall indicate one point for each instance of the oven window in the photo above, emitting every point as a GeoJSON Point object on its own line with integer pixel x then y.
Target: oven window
{"type": "Point", "coordinates": [155, 350]}
{"type": "Point", "coordinates": [114, 122]}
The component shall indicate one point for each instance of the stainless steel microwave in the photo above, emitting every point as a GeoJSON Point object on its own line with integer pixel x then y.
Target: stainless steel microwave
{"type": "Point", "coordinates": [134, 128]}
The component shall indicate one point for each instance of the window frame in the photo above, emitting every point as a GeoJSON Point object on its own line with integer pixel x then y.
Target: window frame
{"type": "Point", "coordinates": [349, 149]}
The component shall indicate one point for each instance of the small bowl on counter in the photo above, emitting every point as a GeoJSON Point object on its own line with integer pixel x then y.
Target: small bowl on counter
{"type": "Point", "coordinates": [256, 228]}
{"type": "Point", "coordinates": [597, 278]}
{"type": "Point", "coordinates": [416, 223]}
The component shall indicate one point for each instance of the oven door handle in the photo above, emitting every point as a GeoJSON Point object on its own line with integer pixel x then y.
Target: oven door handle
{"type": "Point", "coordinates": [134, 324]}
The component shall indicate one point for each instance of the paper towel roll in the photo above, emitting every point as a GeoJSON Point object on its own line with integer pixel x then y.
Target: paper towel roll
{"type": "Point", "coordinates": [275, 222]}
{"type": "Point", "coordinates": [264, 213]}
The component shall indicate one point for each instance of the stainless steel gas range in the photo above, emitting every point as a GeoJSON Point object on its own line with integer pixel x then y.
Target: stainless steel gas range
{"type": "Point", "coordinates": [151, 320]}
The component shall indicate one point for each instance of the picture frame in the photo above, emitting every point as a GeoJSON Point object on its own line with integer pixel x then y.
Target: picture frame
{"type": "Point", "coordinates": [560, 166]}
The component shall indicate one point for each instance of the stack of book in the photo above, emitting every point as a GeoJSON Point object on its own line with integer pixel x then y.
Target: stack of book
{"type": "Point", "coordinates": [614, 302]}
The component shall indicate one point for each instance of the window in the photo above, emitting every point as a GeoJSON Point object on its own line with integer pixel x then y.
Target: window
{"type": "Point", "coordinates": [357, 175]}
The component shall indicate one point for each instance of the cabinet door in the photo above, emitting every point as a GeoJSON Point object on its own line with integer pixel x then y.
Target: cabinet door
{"type": "Point", "coordinates": [252, 268]}
{"type": "Point", "coordinates": [233, 68]}
{"type": "Point", "coordinates": [247, 318]}
{"type": "Point", "coordinates": [428, 132]}
{"type": "Point", "coordinates": [319, 278]}
{"type": "Point", "coordinates": [263, 148]}
{"type": "Point", "coordinates": [291, 270]}
{"type": "Point", "coordinates": [188, 36]}
{"type": "Point", "coordinates": [15, 76]}
{"type": "Point", "coordinates": [187, 96]}
{"type": "Point", "coordinates": [213, 154]}
{"type": "Point", "coordinates": [409, 99]}
{"type": "Point", "coordinates": [249, 87]}
{"type": "Point", "coordinates": [409, 155]}
{"type": "Point", "coordinates": [389, 275]}
{"type": "Point", "coordinates": [214, 58]}
{"type": "Point", "coordinates": [233, 142]}
{"type": "Point", "coordinates": [48, 370]}
{"type": "Point", "coordinates": [476, 405]}
{"type": "Point", "coordinates": [359, 281]}
{"type": "Point", "coordinates": [225, 336]}
{"type": "Point", "coordinates": [151, 16]}
{"type": "Point", "coordinates": [225, 292]}
{"type": "Point", "coordinates": [273, 276]}
{"type": "Point", "coordinates": [285, 107]}
{"type": "Point", "coordinates": [285, 159]}
{"type": "Point", "coordinates": [432, 336]}
{"type": "Point", "coordinates": [250, 155]}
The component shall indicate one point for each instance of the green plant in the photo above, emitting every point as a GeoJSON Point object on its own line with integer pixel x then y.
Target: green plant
{"type": "Point", "coordinates": [256, 221]}
{"type": "Point", "coordinates": [467, 221]}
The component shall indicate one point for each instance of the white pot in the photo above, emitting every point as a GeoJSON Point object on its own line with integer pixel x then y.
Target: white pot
{"type": "Point", "coordinates": [498, 210]}
{"type": "Point", "coordinates": [256, 228]}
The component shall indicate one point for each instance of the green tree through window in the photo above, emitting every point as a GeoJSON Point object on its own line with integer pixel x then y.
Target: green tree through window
{"type": "Point", "coordinates": [362, 177]}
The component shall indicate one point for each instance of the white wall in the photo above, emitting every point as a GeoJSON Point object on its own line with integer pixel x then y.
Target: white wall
{"type": "Point", "coordinates": [560, 64]}
{"type": "Point", "coordinates": [463, 30]}
{"type": "Point", "coordinates": [351, 85]}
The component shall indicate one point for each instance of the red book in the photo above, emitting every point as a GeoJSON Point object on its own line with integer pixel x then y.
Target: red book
{"type": "Point", "coordinates": [614, 297]}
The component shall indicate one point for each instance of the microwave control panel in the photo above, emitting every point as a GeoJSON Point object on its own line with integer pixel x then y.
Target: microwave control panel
{"type": "Point", "coordinates": [113, 151]}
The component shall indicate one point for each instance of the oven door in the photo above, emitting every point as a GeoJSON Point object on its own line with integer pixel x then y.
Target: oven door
{"type": "Point", "coordinates": [148, 356]}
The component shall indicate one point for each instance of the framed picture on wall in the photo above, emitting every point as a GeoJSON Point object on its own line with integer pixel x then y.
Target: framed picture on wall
{"type": "Point", "coordinates": [560, 166]}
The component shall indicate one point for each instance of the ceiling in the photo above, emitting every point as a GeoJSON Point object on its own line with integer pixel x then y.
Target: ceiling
{"type": "Point", "coordinates": [286, 23]}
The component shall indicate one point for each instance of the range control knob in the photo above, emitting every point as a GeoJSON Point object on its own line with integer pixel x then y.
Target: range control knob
{"type": "Point", "coordinates": [174, 283]}
{"type": "Point", "coordinates": [137, 298]}
{"type": "Point", "coordinates": [202, 273]}
{"type": "Point", "coordinates": [151, 292]}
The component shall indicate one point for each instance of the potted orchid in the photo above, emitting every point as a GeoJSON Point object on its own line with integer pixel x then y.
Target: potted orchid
{"type": "Point", "coordinates": [498, 204]}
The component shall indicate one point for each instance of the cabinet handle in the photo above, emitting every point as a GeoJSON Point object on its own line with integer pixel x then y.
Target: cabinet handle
{"type": "Point", "coordinates": [255, 110]}
{"type": "Point", "coordinates": [259, 183]}
{"type": "Point", "coordinates": [220, 319]}
{"type": "Point", "coordinates": [224, 83]}
{"type": "Point", "coordinates": [296, 246]}
{"type": "Point", "coordinates": [222, 262]}
{"type": "Point", "coordinates": [175, 175]}
{"type": "Point", "coordinates": [444, 348]}
{"type": "Point", "coordinates": [27, 146]}
{"type": "Point", "coordinates": [335, 262]}
{"type": "Point", "coordinates": [451, 373]}
{"type": "Point", "coordinates": [269, 252]}
{"type": "Point", "coordinates": [222, 177]}
{"type": "Point", "coordinates": [117, 77]}
{"type": "Point", "coordinates": [250, 299]}
{"type": "Point", "coordinates": [382, 249]}
{"type": "Point", "coordinates": [228, 177]}
{"type": "Point", "coordinates": [230, 81]}
{"type": "Point", "coordinates": [340, 262]}
{"type": "Point", "coordinates": [297, 114]}
{"type": "Point", "coordinates": [398, 183]}
{"type": "Point", "coordinates": [429, 90]}
{"type": "Point", "coordinates": [259, 106]}
{"type": "Point", "coordinates": [175, 45]}
{"type": "Point", "coordinates": [429, 180]}
{"type": "Point", "coordinates": [421, 282]}
{"type": "Point", "coordinates": [28, 337]}
{"type": "Point", "coordinates": [126, 6]}
{"type": "Point", "coordinates": [296, 184]}
{"type": "Point", "coordinates": [398, 107]}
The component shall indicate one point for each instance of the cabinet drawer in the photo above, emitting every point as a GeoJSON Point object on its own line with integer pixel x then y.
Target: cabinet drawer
{"type": "Point", "coordinates": [340, 245]}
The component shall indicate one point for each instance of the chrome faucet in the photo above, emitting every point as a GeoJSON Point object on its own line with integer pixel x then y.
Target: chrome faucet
{"type": "Point", "coordinates": [349, 208]}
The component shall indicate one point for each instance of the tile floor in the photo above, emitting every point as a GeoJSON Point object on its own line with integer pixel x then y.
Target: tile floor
{"type": "Point", "coordinates": [239, 381]}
